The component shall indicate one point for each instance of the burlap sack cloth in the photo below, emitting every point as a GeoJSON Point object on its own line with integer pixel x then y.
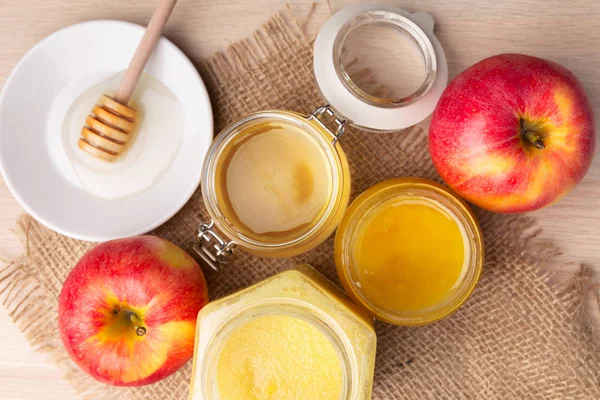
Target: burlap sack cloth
{"type": "Point", "coordinates": [516, 338]}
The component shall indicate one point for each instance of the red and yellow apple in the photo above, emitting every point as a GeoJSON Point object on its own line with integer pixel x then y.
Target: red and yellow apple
{"type": "Point", "coordinates": [513, 133]}
{"type": "Point", "coordinates": [127, 311]}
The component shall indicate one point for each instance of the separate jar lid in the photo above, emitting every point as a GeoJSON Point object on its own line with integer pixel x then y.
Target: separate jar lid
{"type": "Point", "coordinates": [379, 66]}
{"type": "Point", "coordinates": [409, 251]}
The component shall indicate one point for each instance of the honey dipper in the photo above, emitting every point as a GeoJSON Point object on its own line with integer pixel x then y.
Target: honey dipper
{"type": "Point", "coordinates": [109, 126]}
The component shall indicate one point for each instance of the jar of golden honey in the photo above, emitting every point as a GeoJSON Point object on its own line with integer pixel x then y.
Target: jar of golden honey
{"type": "Point", "coordinates": [277, 183]}
{"type": "Point", "coordinates": [409, 251]}
{"type": "Point", "coordinates": [292, 336]}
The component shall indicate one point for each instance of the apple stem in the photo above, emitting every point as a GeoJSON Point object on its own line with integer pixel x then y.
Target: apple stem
{"type": "Point", "coordinates": [532, 137]}
{"type": "Point", "coordinates": [139, 329]}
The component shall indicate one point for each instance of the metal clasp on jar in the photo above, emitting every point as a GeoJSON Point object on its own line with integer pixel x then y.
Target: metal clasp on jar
{"type": "Point", "coordinates": [340, 123]}
{"type": "Point", "coordinates": [212, 248]}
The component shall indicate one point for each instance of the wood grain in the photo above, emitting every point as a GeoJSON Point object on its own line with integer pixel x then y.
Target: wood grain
{"type": "Point", "coordinates": [469, 30]}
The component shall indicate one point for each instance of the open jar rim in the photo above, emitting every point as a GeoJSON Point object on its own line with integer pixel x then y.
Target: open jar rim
{"type": "Point", "coordinates": [279, 307]}
{"type": "Point", "coordinates": [326, 139]}
{"type": "Point", "coordinates": [379, 195]}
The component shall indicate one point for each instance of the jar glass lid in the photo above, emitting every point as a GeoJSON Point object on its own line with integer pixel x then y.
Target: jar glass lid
{"type": "Point", "coordinates": [381, 67]}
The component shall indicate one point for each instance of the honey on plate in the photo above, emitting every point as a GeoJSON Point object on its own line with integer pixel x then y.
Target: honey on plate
{"type": "Point", "coordinates": [148, 153]}
{"type": "Point", "coordinates": [409, 250]}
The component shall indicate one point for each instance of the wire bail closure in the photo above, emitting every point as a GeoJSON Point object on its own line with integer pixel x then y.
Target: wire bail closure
{"type": "Point", "coordinates": [340, 123]}
{"type": "Point", "coordinates": [212, 248]}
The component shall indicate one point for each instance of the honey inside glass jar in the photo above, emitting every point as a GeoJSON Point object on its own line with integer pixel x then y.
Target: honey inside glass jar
{"type": "Point", "coordinates": [409, 251]}
{"type": "Point", "coordinates": [276, 183]}
{"type": "Point", "coordinates": [294, 335]}
{"type": "Point", "coordinates": [264, 359]}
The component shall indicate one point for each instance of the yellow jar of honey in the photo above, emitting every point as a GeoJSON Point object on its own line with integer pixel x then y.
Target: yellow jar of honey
{"type": "Point", "coordinates": [292, 336]}
{"type": "Point", "coordinates": [409, 251]}
{"type": "Point", "coordinates": [277, 183]}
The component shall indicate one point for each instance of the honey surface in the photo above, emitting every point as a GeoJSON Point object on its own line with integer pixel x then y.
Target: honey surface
{"type": "Point", "coordinates": [149, 152]}
{"type": "Point", "coordinates": [409, 256]}
{"type": "Point", "coordinates": [279, 357]}
{"type": "Point", "coordinates": [277, 179]}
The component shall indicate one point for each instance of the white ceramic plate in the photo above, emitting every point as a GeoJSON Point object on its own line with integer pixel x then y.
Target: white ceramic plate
{"type": "Point", "coordinates": [65, 64]}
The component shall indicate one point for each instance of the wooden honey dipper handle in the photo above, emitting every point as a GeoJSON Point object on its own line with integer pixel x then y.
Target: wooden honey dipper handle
{"type": "Point", "coordinates": [109, 127]}
{"type": "Point", "coordinates": [140, 58]}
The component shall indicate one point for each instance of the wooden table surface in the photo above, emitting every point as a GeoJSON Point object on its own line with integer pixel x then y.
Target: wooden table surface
{"type": "Point", "coordinates": [469, 30]}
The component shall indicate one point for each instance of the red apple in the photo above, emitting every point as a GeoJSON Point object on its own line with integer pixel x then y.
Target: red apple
{"type": "Point", "coordinates": [513, 133]}
{"type": "Point", "coordinates": [127, 311]}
